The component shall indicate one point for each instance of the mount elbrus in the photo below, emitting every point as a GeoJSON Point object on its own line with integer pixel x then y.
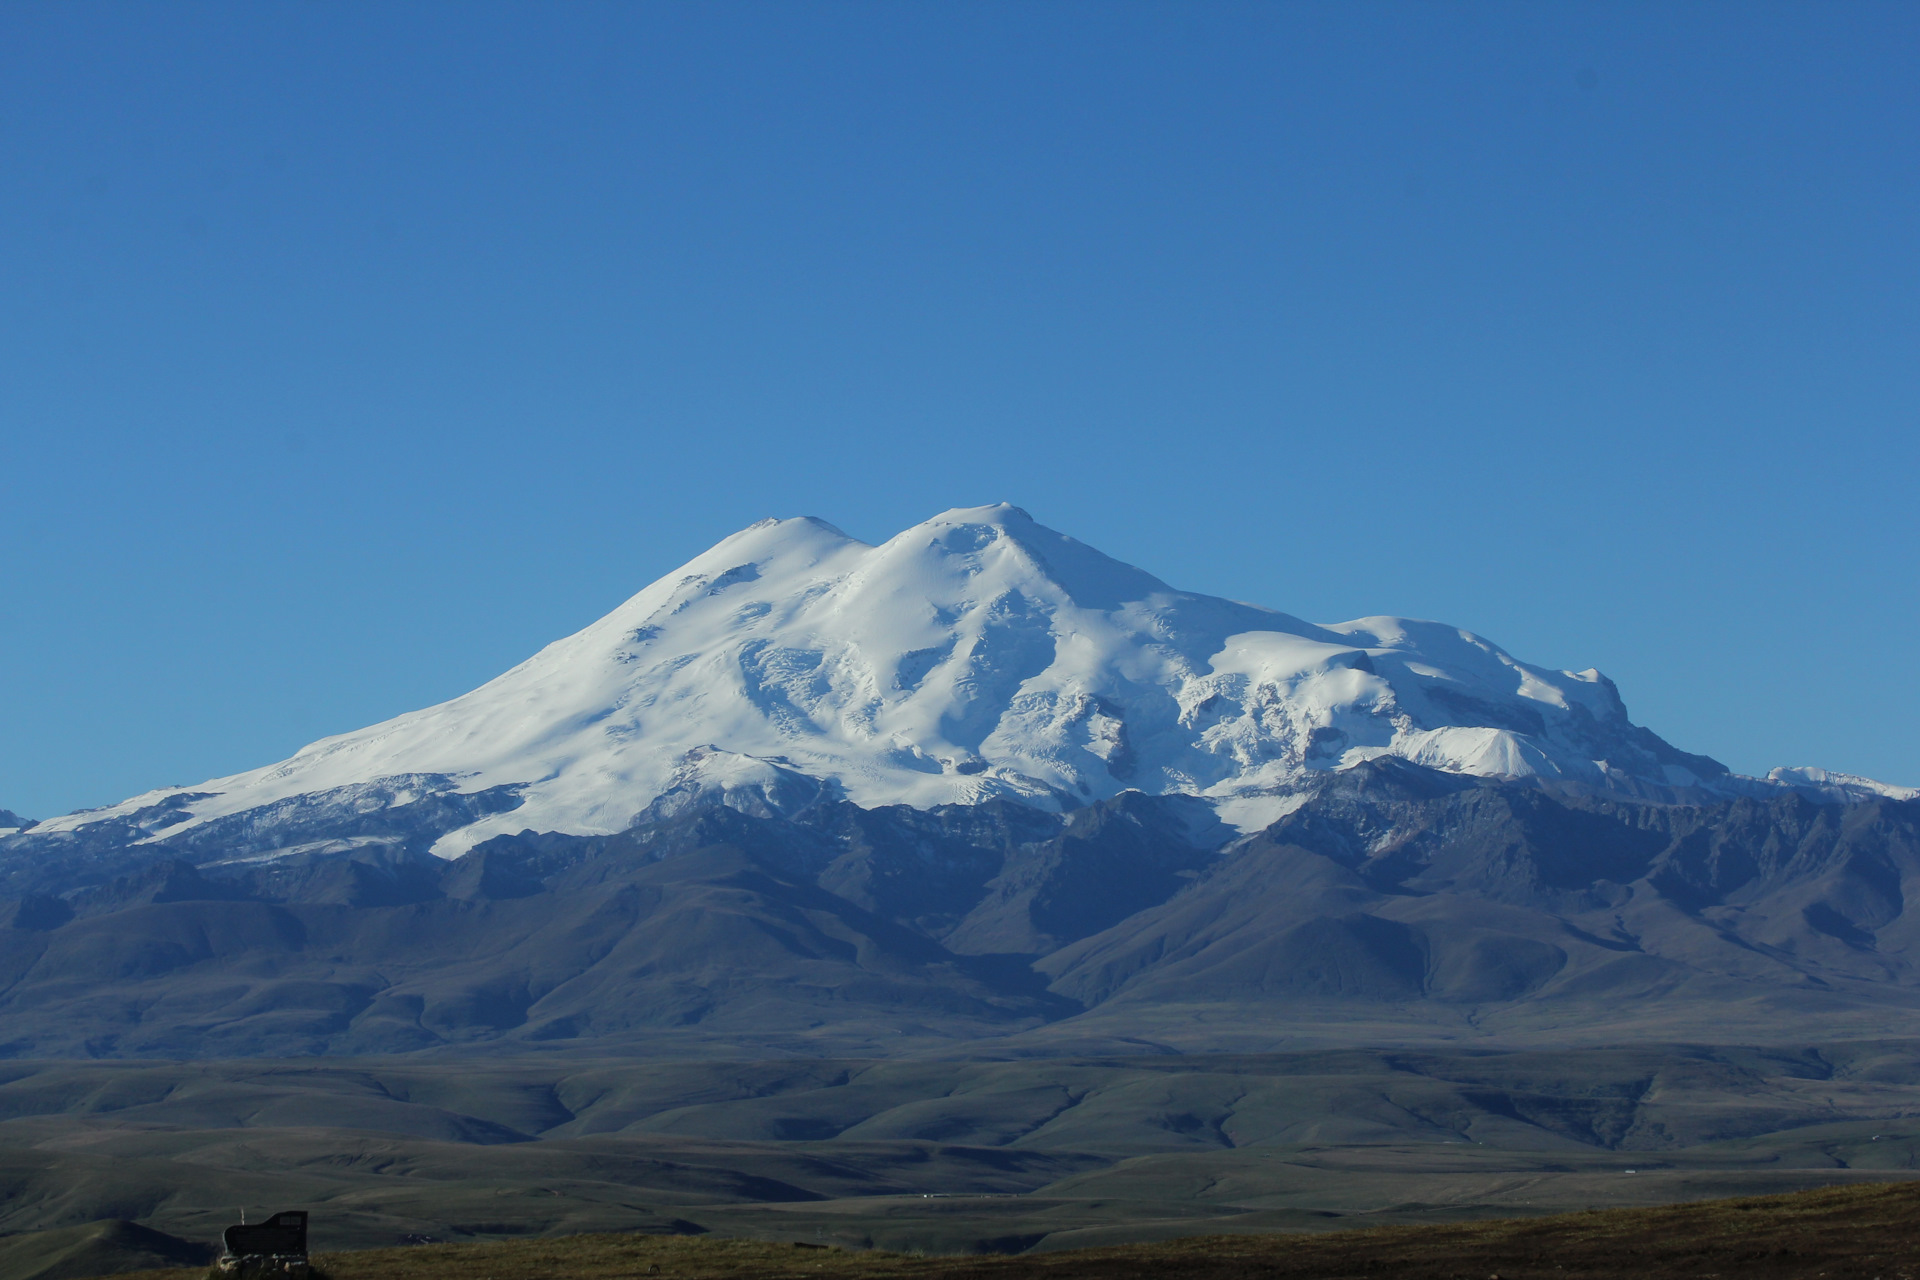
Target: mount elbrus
{"type": "Point", "coordinates": [977, 781]}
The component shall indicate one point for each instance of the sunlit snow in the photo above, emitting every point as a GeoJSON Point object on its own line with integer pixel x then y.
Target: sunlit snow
{"type": "Point", "coordinates": [976, 655]}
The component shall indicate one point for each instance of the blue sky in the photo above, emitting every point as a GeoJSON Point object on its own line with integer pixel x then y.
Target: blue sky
{"type": "Point", "coordinates": [351, 352]}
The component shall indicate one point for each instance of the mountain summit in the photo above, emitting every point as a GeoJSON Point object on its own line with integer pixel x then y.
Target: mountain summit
{"type": "Point", "coordinates": [977, 655]}
{"type": "Point", "coordinates": [805, 795]}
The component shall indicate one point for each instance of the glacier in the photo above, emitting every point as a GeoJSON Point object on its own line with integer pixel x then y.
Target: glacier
{"type": "Point", "coordinates": [975, 656]}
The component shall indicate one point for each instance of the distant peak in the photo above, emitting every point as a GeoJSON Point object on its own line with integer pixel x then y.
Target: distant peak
{"type": "Point", "coordinates": [775, 522]}
{"type": "Point", "coordinates": [997, 513]}
{"type": "Point", "coordinates": [776, 532]}
{"type": "Point", "coordinates": [823, 525]}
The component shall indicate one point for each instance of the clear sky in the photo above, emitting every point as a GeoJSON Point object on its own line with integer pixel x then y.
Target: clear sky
{"type": "Point", "coordinates": [349, 352]}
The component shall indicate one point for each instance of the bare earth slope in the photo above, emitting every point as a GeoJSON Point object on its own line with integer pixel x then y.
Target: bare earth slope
{"type": "Point", "coordinates": [1395, 904]}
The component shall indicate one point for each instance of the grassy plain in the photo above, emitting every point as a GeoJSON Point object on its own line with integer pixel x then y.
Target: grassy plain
{"type": "Point", "coordinates": [1028, 1157]}
{"type": "Point", "coordinates": [1837, 1233]}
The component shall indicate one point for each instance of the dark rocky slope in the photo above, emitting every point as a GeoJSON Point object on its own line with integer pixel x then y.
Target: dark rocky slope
{"type": "Point", "coordinates": [1395, 903]}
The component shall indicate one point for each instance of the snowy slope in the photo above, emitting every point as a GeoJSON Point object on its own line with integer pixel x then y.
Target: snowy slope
{"type": "Point", "coordinates": [976, 655]}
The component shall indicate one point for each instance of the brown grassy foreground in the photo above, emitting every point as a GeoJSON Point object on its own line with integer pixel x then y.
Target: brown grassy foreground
{"type": "Point", "coordinates": [1839, 1233]}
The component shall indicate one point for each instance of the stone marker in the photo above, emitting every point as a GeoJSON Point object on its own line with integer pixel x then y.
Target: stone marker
{"type": "Point", "coordinates": [272, 1250]}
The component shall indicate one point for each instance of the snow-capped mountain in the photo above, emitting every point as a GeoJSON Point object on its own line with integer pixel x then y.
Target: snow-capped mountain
{"type": "Point", "coordinates": [976, 655]}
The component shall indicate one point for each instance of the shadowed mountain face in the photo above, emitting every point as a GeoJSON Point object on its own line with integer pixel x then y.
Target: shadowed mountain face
{"type": "Point", "coordinates": [1396, 903]}
{"type": "Point", "coordinates": [1534, 909]}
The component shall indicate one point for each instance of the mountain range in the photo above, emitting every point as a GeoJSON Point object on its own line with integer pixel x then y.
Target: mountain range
{"type": "Point", "coordinates": [979, 784]}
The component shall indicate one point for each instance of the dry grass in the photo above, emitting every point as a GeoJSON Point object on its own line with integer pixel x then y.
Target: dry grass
{"type": "Point", "coordinates": [1842, 1233]}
